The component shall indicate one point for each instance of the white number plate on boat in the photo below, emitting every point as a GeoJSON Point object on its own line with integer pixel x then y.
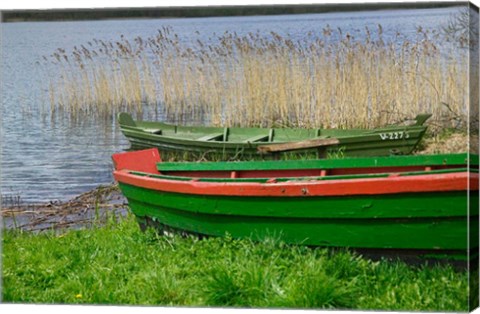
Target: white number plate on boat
{"type": "Point", "coordinates": [394, 135]}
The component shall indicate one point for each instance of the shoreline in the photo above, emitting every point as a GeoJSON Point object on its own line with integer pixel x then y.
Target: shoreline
{"type": "Point", "coordinates": [85, 210]}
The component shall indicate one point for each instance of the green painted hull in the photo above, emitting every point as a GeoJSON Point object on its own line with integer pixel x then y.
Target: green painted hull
{"type": "Point", "coordinates": [424, 203]}
{"type": "Point", "coordinates": [398, 140]}
{"type": "Point", "coordinates": [433, 222]}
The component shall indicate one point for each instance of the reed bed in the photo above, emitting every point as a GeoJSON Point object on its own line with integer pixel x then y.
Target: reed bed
{"type": "Point", "coordinates": [330, 79]}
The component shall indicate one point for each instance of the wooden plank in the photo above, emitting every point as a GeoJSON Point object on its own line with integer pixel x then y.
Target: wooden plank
{"type": "Point", "coordinates": [284, 147]}
{"type": "Point", "coordinates": [256, 138]}
{"type": "Point", "coordinates": [153, 131]}
{"type": "Point", "coordinates": [211, 137]}
{"type": "Point", "coordinates": [271, 133]}
{"type": "Point", "coordinates": [226, 132]}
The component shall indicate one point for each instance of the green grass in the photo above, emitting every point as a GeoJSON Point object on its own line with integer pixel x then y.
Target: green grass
{"type": "Point", "coordinates": [119, 264]}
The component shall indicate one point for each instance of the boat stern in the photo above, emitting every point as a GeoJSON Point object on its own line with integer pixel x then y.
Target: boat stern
{"type": "Point", "coordinates": [142, 160]}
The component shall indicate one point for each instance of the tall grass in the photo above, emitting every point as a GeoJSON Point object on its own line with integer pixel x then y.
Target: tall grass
{"type": "Point", "coordinates": [330, 79]}
{"type": "Point", "coordinates": [119, 264]}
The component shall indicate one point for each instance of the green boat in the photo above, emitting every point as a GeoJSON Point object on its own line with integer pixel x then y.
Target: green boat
{"type": "Point", "coordinates": [426, 204]}
{"type": "Point", "coordinates": [389, 140]}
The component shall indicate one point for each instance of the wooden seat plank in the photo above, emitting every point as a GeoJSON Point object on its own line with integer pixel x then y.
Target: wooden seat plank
{"type": "Point", "coordinates": [257, 138]}
{"type": "Point", "coordinates": [211, 137]}
{"type": "Point", "coordinates": [284, 147]}
{"type": "Point", "coordinates": [153, 131]}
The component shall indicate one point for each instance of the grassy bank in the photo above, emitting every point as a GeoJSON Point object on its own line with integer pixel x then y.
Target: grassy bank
{"type": "Point", "coordinates": [118, 264]}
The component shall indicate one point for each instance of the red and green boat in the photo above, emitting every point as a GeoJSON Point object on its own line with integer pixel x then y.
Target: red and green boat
{"type": "Point", "coordinates": [424, 203]}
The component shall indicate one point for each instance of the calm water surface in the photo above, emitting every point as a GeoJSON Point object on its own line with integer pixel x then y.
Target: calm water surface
{"type": "Point", "coordinates": [44, 159]}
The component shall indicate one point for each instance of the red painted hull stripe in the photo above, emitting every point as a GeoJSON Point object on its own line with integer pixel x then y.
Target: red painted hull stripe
{"type": "Point", "coordinates": [372, 186]}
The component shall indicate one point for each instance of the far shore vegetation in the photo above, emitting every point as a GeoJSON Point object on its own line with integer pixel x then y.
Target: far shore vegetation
{"type": "Point", "coordinates": [205, 11]}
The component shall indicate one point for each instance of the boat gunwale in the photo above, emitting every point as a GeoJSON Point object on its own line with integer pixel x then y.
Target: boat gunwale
{"type": "Point", "coordinates": [138, 125]}
{"type": "Point", "coordinates": [359, 162]}
{"type": "Point", "coordinates": [442, 182]}
{"type": "Point", "coordinates": [300, 178]}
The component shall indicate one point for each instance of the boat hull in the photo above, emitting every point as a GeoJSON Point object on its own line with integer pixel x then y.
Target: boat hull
{"type": "Point", "coordinates": [364, 146]}
{"type": "Point", "coordinates": [432, 210]}
{"type": "Point", "coordinates": [356, 225]}
{"type": "Point", "coordinates": [391, 140]}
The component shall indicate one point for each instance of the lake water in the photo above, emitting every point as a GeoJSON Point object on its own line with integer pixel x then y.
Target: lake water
{"type": "Point", "coordinates": [44, 159]}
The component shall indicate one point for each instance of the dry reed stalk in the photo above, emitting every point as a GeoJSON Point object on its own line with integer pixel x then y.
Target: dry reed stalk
{"type": "Point", "coordinates": [256, 79]}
